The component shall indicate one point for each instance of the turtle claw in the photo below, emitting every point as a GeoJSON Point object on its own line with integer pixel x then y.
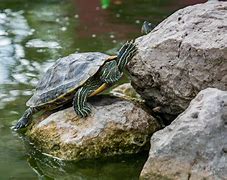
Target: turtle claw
{"type": "Point", "coordinates": [22, 123]}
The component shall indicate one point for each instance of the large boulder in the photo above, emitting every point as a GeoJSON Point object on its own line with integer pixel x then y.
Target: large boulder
{"type": "Point", "coordinates": [184, 54]}
{"type": "Point", "coordinates": [194, 146]}
{"type": "Point", "coordinates": [116, 126]}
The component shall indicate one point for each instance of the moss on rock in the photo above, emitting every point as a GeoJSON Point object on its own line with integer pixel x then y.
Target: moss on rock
{"type": "Point", "coordinates": [115, 127]}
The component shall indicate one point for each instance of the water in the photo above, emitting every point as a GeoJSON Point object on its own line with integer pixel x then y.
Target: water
{"type": "Point", "coordinates": [35, 33]}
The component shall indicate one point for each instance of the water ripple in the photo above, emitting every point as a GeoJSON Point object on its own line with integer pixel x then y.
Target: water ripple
{"type": "Point", "coordinates": [38, 43]}
{"type": "Point", "coordinates": [13, 31]}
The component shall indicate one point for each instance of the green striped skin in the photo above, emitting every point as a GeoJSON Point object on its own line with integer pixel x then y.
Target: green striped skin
{"type": "Point", "coordinates": [80, 105]}
{"type": "Point", "coordinates": [110, 73]}
{"type": "Point", "coordinates": [126, 53]}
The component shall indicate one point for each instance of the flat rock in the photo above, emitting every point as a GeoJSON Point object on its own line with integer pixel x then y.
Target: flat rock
{"type": "Point", "coordinates": [194, 146]}
{"type": "Point", "coordinates": [184, 54]}
{"type": "Point", "coordinates": [116, 126]}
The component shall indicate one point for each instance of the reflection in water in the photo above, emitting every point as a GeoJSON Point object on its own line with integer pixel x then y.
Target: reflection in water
{"type": "Point", "coordinates": [95, 22]}
{"type": "Point", "coordinates": [38, 43]}
{"type": "Point", "coordinates": [3, 75]}
{"type": "Point", "coordinates": [115, 168]}
{"type": "Point", "coordinates": [105, 4]}
{"type": "Point", "coordinates": [13, 30]}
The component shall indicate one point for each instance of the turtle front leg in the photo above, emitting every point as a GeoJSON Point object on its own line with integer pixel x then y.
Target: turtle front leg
{"type": "Point", "coordinates": [80, 105]}
{"type": "Point", "coordinates": [110, 73]}
{"type": "Point", "coordinates": [24, 121]}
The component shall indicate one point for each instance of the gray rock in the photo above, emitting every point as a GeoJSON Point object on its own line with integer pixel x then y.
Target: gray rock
{"type": "Point", "coordinates": [184, 54]}
{"type": "Point", "coordinates": [116, 126]}
{"type": "Point", "coordinates": [194, 146]}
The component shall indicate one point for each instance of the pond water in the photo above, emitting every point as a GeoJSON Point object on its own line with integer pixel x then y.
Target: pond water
{"type": "Point", "coordinates": [35, 33]}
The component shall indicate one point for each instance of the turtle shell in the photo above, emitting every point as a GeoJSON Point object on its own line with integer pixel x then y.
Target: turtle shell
{"type": "Point", "coordinates": [65, 76]}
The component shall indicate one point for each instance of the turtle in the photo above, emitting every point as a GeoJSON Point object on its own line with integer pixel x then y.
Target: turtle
{"type": "Point", "coordinates": [75, 78]}
{"type": "Point", "coordinates": [147, 27]}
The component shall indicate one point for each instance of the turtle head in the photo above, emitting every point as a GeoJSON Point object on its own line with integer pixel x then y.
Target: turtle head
{"type": "Point", "coordinates": [126, 53]}
{"type": "Point", "coordinates": [147, 27]}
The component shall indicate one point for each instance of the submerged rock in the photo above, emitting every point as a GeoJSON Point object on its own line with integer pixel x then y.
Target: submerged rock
{"type": "Point", "coordinates": [116, 126]}
{"type": "Point", "coordinates": [103, 168]}
{"type": "Point", "coordinates": [184, 54]}
{"type": "Point", "coordinates": [194, 146]}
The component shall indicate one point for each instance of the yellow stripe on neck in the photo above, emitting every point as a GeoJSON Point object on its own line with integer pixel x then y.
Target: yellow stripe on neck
{"type": "Point", "coordinates": [104, 86]}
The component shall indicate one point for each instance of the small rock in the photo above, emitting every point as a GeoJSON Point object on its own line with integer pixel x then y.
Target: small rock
{"type": "Point", "coordinates": [126, 91]}
{"type": "Point", "coordinates": [116, 126]}
{"type": "Point", "coordinates": [157, 109]}
{"type": "Point", "coordinates": [193, 146]}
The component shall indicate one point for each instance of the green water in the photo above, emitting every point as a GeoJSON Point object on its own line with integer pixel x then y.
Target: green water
{"type": "Point", "coordinates": [35, 33]}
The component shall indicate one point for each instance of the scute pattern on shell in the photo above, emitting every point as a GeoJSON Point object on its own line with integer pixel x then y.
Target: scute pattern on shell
{"type": "Point", "coordinates": [66, 74]}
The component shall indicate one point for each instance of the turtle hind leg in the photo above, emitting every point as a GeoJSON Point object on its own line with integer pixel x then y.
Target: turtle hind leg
{"type": "Point", "coordinates": [25, 120]}
{"type": "Point", "coordinates": [80, 104]}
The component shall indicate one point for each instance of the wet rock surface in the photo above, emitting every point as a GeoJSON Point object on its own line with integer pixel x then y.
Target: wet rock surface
{"type": "Point", "coordinates": [116, 126]}
{"type": "Point", "coordinates": [194, 145]}
{"type": "Point", "coordinates": [101, 168]}
{"type": "Point", "coordinates": [184, 54]}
